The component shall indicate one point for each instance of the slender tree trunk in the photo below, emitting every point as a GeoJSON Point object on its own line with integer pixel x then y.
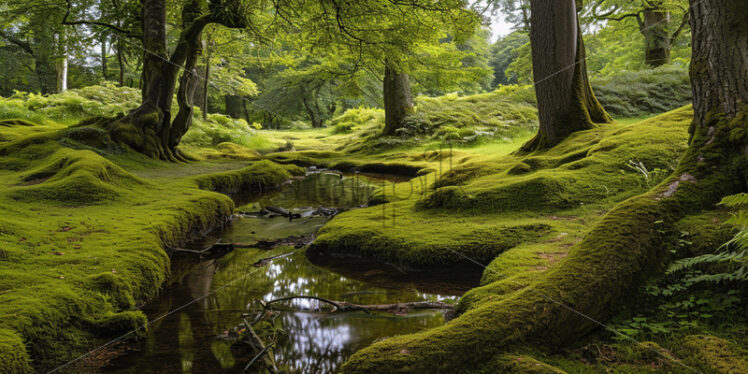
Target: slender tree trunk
{"type": "Point", "coordinates": [121, 62]}
{"type": "Point", "coordinates": [398, 100]}
{"type": "Point", "coordinates": [62, 74]}
{"type": "Point", "coordinates": [309, 100]}
{"type": "Point", "coordinates": [61, 64]}
{"type": "Point", "coordinates": [656, 36]}
{"type": "Point", "coordinates": [206, 82]}
{"type": "Point", "coordinates": [104, 50]}
{"type": "Point", "coordinates": [566, 102]}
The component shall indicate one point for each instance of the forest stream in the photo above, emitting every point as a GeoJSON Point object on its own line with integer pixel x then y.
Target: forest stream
{"type": "Point", "coordinates": [308, 336]}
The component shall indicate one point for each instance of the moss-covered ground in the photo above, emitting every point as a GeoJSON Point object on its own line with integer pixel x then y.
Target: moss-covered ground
{"type": "Point", "coordinates": [83, 234]}
{"type": "Point", "coordinates": [84, 224]}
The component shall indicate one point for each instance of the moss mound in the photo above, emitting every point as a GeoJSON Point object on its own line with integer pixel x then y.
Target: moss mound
{"type": "Point", "coordinates": [74, 177]}
{"type": "Point", "coordinates": [587, 167]}
{"type": "Point", "coordinates": [427, 221]}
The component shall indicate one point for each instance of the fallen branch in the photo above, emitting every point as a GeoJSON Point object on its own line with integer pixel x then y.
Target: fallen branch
{"type": "Point", "coordinates": [264, 261]}
{"type": "Point", "coordinates": [250, 337]}
{"type": "Point", "coordinates": [343, 306]}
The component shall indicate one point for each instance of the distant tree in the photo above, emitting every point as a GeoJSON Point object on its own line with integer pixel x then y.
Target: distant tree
{"type": "Point", "coordinates": [504, 51]}
{"type": "Point", "coordinates": [654, 19]}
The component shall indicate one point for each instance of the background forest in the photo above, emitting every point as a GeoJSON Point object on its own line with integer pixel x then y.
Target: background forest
{"type": "Point", "coordinates": [276, 82]}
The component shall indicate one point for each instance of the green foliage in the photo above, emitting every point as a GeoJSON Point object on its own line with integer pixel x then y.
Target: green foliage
{"type": "Point", "coordinates": [633, 93]}
{"type": "Point", "coordinates": [358, 118]}
{"type": "Point", "coordinates": [504, 52]}
{"type": "Point", "coordinates": [502, 114]}
{"type": "Point", "coordinates": [71, 106]}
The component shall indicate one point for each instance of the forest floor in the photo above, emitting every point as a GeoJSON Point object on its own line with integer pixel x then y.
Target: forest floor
{"type": "Point", "coordinates": [84, 227]}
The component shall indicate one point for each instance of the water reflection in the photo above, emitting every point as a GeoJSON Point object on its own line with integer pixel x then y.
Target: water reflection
{"type": "Point", "coordinates": [314, 339]}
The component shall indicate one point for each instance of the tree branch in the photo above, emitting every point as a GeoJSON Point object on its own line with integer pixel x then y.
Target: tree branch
{"type": "Point", "coordinates": [681, 27]}
{"type": "Point", "coordinates": [26, 47]}
{"type": "Point", "coordinates": [118, 29]}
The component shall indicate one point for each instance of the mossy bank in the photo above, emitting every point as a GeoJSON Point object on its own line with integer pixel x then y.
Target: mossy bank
{"type": "Point", "coordinates": [83, 232]}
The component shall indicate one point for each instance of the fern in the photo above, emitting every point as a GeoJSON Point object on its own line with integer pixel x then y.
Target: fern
{"type": "Point", "coordinates": [733, 254]}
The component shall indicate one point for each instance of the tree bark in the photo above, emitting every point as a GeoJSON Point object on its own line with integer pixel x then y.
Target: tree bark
{"type": "Point", "coordinates": [657, 42]}
{"type": "Point", "coordinates": [566, 102]}
{"type": "Point", "coordinates": [398, 100]}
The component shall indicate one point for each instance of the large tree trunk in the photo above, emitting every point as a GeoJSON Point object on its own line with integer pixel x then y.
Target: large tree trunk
{"type": "Point", "coordinates": [656, 36]}
{"type": "Point", "coordinates": [141, 129]}
{"type": "Point", "coordinates": [565, 100]}
{"type": "Point", "coordinates": [627, 245]}
{"type": "Point", "coordinates": [398, 100]}
{"type": "Point", "coordinates": [149, 128]}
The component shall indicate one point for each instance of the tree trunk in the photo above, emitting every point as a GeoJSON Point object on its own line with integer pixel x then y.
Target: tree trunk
{"type": "Point", "coordinates": [149, 128]}
{"type": "Point", "coordinates": [62, 74]}
{"type": "Point", "coordinates": [121, 62]}
{"type": "Point", "coordinates": [61, 64]}
{"type": "Point", "coordinates": [628, 244]}
{"type": "Point", "coordinates": [566, 102]}
{"type": "Point", "coordinates": [309, 100]}
{"type": "Point", "coordinates": [103, 45]}
{"type": "Point", "coordinates": [398, 100]}
{"type": "Point", "coordinates": [656, 36]}
{"type": "Point", "coordinates": [141, 129]}
{"type": "Point", "coordinates": [206, 83]}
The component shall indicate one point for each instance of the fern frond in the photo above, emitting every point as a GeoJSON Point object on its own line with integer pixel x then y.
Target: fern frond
{"type": "Point", "coordinates": [735, 201]}
{"type": "Point", "coordinates": [710, 258]}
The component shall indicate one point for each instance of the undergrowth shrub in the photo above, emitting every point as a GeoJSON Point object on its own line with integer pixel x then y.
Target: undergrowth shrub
{"type": "Point", "coordinates": [637, 93]}
{"type": "Point", "coordinates": [106, 100]}
{"type": "Point", "coordinates": [354, 119]}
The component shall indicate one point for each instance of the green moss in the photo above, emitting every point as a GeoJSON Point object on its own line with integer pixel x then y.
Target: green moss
{"type": "Point", "coordinates": [13, 356]}
{"type": "Point", "coordinates": [525, 364]}
{"type": "Point", "coordinates": [83, 240]}
{"type": "Point", "coordinates": [713, 354]}
{"type": "Point", "coordinates": [623, 247]}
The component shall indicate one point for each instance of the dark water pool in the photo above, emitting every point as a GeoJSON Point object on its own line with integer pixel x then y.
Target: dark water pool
{"type": "Point", "coordinates": [309, 339]}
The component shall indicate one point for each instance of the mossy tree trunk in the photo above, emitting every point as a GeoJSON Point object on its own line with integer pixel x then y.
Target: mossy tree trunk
{"type": "Point", "coordinates": [565, 100]}
{"type": "Point", "coordinates": [149, 128]}
{"type": "Point", "coordinates": [657, 42]}
{"type": "Point", "coordinates": [398, 99]}
{"type": "Point", "coordinates": [629, 243]}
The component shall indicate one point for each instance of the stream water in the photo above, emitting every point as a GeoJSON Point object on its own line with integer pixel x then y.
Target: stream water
{"type": "Point", "coordinates": [309, 339]}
